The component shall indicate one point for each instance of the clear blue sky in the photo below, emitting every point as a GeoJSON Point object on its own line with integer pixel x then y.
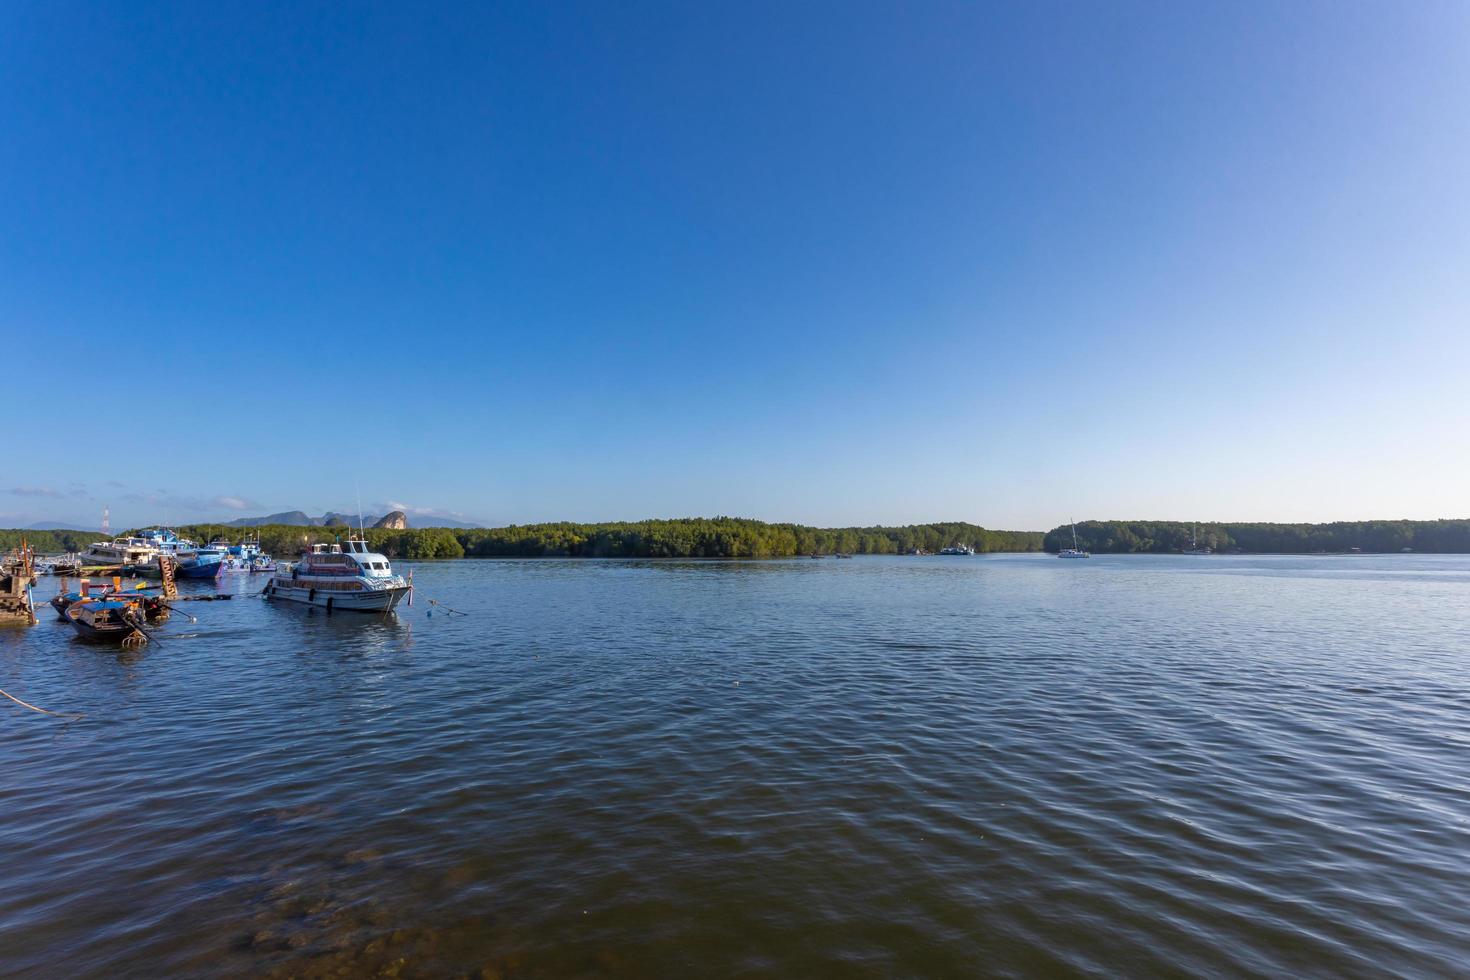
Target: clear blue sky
{"type": "Point", "coordinates": [834, 263]}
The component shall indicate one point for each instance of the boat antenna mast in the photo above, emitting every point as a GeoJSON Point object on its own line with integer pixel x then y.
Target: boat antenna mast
{"type": "Point", "coordinates": [1074, 534]}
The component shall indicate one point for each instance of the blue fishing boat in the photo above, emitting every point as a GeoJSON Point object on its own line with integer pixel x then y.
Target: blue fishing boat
{"type": "Point", "coordinates": [62, 600]}
{"type": "Point", "coordinates": [164, 540]}
{"type": "Point", "coordinates": [246, 550]}
{"type": "Point", "coordinates": [200, 563]}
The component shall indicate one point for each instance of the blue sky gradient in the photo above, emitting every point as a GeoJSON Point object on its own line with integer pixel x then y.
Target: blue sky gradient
{"type": "Point", "coordinates": [832, 263]}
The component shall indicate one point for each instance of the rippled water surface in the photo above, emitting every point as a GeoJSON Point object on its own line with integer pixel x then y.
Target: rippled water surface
{"type": "Point", "coordinates": [878, 767]}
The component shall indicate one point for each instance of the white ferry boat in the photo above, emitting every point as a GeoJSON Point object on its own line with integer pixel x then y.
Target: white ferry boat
{"type": "Point", "coordinates": [122, 551]}
{"type": "Point", "coordinates": [340, 577]}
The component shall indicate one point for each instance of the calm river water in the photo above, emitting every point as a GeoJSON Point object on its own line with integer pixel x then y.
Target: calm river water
{"type": "Point", "coordinates": [1002, 765]}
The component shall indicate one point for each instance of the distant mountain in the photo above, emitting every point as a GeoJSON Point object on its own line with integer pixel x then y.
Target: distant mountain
{"type": "Point", "coordinates": [60, 526]}
{"type": "Point", "coordinates": [295, 518]}
{"type": "Point", "coordinates": [423, 521]}
{"type": "Point", "coordinates": [397, 520]}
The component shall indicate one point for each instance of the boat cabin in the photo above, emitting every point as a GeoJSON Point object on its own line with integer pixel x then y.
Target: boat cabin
{"type": "Point", "coordinates": [353, 557]}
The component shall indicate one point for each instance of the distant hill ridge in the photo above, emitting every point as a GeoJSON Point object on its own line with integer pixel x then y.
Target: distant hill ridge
{"type": "Point", "coordinates": [60, 526]}
{"type": "Point", "coordinates": [397, 520]}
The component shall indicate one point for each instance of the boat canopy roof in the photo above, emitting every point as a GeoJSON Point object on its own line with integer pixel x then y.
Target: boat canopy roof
{"type": "Point", "coordinates": [354, 546]}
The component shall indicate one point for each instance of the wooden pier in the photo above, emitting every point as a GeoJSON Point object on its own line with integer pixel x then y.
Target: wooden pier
{"type": "Point", "coordinates": [17, 573]}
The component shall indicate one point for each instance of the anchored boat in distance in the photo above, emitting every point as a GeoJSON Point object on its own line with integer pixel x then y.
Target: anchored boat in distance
{"type": "Point", "coordinates": [1194, 546]}
{"type": "Point", "coordinates": [1074, 551]}
{"type": "Point", "coordinates": [334, 578]}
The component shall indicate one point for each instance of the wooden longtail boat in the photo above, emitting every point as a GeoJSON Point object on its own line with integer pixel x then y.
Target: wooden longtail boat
{"type": "Point", "coordinates": [108, 621]}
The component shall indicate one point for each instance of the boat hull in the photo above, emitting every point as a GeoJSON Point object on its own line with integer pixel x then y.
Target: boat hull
{"type": "Point", "coordinates": [199, 570]}
{"type": "Point", "coordinates": [367, 600]}
{"type": "Point", "coordinates": [91, 634]}
{"type": "Point", "coordinates": [111, 632]}
{"type": "Point", "coordinates": [115, 635]}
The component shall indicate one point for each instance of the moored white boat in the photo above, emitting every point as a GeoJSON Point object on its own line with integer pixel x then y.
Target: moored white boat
{"type": "Point", "coordinates": [1194, 545]}
{"type": "Point", "coordinates": [122, 551]}
{"type": "Point", "coordinates": [1074, 551]}
{"type": "Point", "coordinates": [340, 577]}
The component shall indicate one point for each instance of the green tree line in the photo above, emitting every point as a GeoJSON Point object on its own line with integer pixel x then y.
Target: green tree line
{"type": "Point", "coordinates": [730, 537]}
{"type": "Point", "coordinates": [716, 537]}
{"type": "Point", "coordinates": [47, 542]}
{"type": "Point", "coordinates": [1167, 537]}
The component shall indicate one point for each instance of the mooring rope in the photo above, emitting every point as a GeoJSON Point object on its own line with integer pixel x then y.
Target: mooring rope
{"type": "Point", "coordinates": [43, 711]}
{"type": "Point", "coordinates": [175, 609]}
{"type": "Point", "coordinates": [436, 602]}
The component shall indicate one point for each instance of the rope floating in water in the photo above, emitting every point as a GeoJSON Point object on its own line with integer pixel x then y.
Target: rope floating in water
{"type": "Point", "coordinates": [43, 711]}
{"type": "Point", "coordinates": [436, 602]}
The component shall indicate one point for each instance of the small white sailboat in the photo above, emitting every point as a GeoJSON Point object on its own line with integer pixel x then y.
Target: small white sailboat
{"type": "Point", "coordinates": [1075, 551]}
{"type": "Point", "coordinates": [1194, 548]}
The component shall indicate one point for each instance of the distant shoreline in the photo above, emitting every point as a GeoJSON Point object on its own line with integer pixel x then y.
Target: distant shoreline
{"type": "Point", "coordinates": [949, 558]}
{"type": "Point", "coordinates": [733, 537]}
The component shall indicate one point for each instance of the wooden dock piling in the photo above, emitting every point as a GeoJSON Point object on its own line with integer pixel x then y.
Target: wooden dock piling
{"type": "Point", "coordinates": [16, 575]}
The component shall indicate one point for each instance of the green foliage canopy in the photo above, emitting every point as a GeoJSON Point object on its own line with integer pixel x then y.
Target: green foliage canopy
{"type": "Point", "coordinates": [716, 537]}
{"type": "Point", "coordinates": [48, 542]}
{"type": "Point", "coordinates": [733, 537]}
{"type": "Point", "coordinates": [1170, 537]}
{"type": "Point", "coordinates": [729, 537]}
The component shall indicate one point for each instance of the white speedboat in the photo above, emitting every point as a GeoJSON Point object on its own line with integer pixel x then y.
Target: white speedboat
{"type": "Point", "coordinates": [957, 549]}
{"type": "Point", "coordinates": [340, 577]}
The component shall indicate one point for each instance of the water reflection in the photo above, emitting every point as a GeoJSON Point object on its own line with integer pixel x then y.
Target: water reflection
{"type": "Point", "coordinates": [869, 767]}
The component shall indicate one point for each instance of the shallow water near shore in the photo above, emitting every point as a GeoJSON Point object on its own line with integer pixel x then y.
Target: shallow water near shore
{"type": "Point", "coordinates": [878, 767]}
